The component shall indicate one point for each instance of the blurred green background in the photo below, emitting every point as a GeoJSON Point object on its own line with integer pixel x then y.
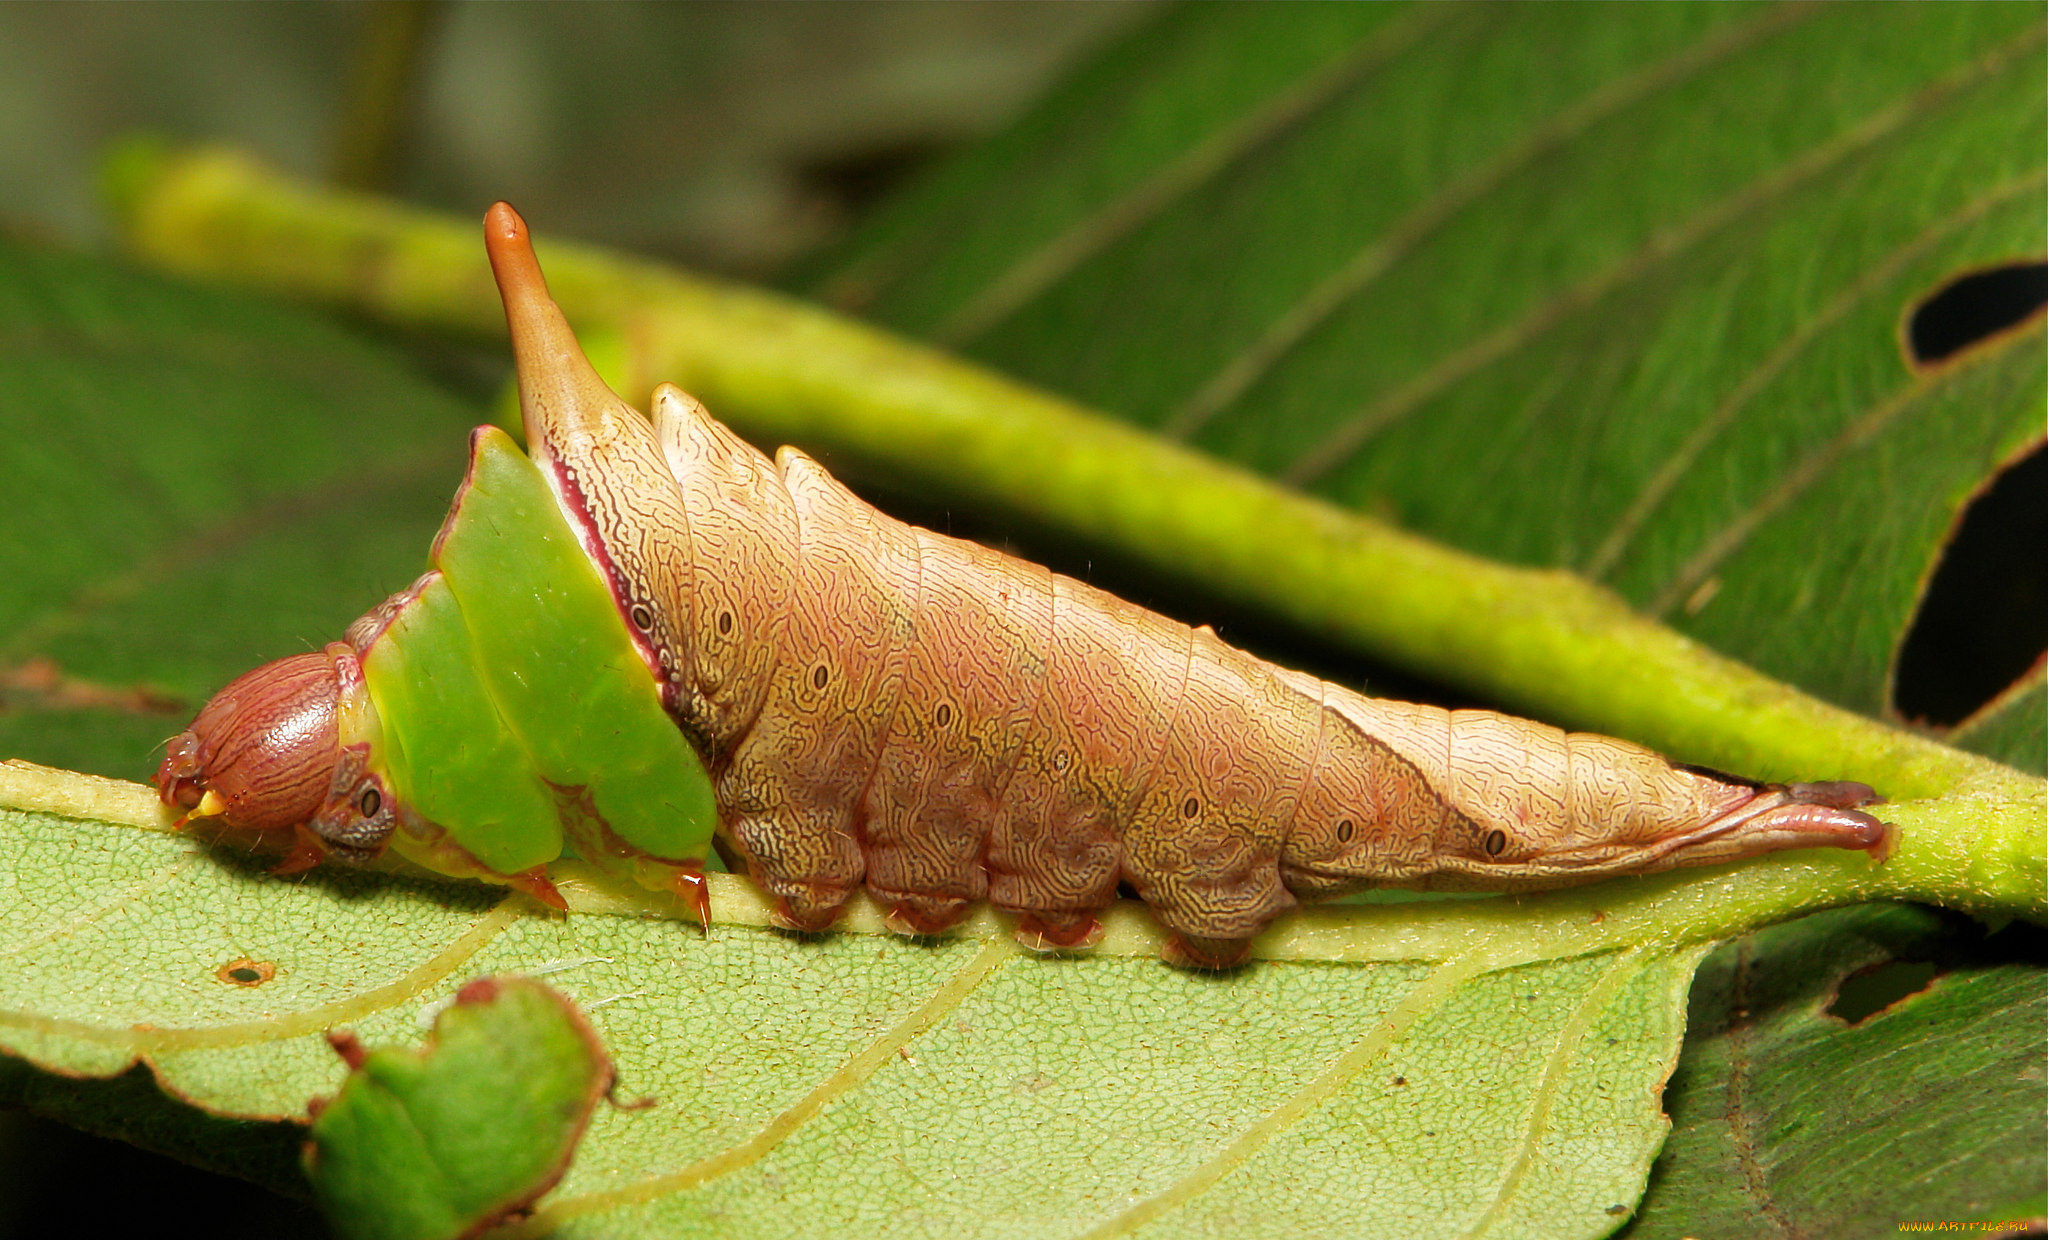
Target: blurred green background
{"type": "Point", "coordinates": [735, 137]}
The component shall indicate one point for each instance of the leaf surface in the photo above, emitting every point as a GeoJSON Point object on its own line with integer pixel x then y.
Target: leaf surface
{"type": "Point", "coordinates": [2014, 727]}
{"type": "Point", "coordinates": [199, 483]}
{"type": "Point", "coordinates": [1777, 1095]}
{"type": "Point", "coordinates": [1457, 1073]}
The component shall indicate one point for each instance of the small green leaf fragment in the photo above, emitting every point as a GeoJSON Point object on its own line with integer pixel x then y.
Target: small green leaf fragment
{"type": "Point", "coordinates": [470, 1129]}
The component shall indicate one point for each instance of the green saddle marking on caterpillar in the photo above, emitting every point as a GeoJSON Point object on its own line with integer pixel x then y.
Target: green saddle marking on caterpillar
{"type": "Point", "coordinates": [513, 700]}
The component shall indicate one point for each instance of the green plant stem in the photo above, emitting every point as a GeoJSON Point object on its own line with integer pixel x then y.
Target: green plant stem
{"type": "Point", "coordinates": [1544, 642]}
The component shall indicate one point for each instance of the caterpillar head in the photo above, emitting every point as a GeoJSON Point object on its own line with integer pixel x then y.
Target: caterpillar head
{"type": "Point", "coordinates": [265, 755]}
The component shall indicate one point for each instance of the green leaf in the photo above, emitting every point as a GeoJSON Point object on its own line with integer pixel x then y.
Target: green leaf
{"type": "Point", "coordinates": [1488, 1064]}
{"type": "Point", "coordinates": [1778, 1096]}
{"type": "Point", "coordinates": [469, 1130]}
{"type": "Point", "coordinates": [1475, 1062]}
{"type": "Point", "coordinates": [198, 483]}
{"type": "Point", "coordinates": [2014, 728]}
{"type": "Point", "coordinates": [1590, 278]}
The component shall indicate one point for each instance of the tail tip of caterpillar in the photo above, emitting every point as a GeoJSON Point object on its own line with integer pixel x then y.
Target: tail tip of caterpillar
{"type": "Point", "coordinates": [1834, 793]}
{"type": "Point", "coordinates": [1847, 798]}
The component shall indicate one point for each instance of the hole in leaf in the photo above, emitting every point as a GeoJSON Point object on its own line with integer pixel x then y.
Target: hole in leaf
{"type": "Point", "coordinates": [246, 972]}
{"type": "Point", "coordinates": [1972, 308]}
{"type": "Point", "coordinates": [1983, 621]}
{"type": "Point", "coordinates": [1868, 991]}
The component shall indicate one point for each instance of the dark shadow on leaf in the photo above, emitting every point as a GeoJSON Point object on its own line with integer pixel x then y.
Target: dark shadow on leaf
{"type": "Point", "coordinates": [59, 1178]}
{"type": "Point", "coordinates": [234, 850]}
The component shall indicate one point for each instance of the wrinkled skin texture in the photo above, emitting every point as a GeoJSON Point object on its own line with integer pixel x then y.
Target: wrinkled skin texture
{"type": "Point", "coordinates": [885, 707]}
{"type": "Point", "coordinates": [264, 746]}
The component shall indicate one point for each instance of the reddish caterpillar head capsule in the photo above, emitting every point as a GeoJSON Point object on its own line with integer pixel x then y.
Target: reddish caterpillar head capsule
{"type": "Point", "coordinates": [261, 755]}
{"type": "Point", "coordinates": [280, 753]}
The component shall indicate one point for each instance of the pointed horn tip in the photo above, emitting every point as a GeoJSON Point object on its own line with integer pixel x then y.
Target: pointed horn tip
{"type": "Point", "coordinates": [503, 225]}
{"type": "Point", "coordinates": [510, 247]}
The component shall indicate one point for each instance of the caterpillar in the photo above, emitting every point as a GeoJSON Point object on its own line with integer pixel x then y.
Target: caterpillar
{"type": "Point", "coordinates": [648, 634]}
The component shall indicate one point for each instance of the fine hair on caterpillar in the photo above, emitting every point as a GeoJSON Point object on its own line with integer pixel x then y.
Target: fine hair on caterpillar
{"type": "Point", "coordinates": [644, 631]}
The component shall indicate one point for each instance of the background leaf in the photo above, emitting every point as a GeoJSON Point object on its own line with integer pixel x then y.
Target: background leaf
{"type": "Point", "coordinates": [1778, 1095]}
{"type": "Point", "coordinates": [2014, 727]}
{"type": "Point", "coordinates": [201, 482]}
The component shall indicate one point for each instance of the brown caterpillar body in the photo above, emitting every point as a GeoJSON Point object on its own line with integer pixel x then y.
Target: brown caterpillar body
{"type": "Point", "coordinates": [884, 706]}
{"type": "Point", "coordinates": [881, 706]}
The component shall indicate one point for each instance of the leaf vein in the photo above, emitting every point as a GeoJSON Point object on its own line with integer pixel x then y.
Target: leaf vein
{"type": "Point", "coordinates": [1426, 996]}
{"type": "Point", "coordinates": [215, 541]}
{"type": "Point", "coordinates": [1816, 465]}
{"type": "Point", "coordinates": [1356, 431]}
{"type": "Point", "coordinates": [1755, 1181]}
{"type": "Point", "coordinates": [146, 1041]}
{"type": "Point", "coordinates": [116, 900]}
{"type": "Point", "coordinates": [1626, 967]}
{"type": "Point", "coordinates": [1673, 470]}
{"type": "Point", "coordinates": [1036, 271]}
{"type": "Point", "coordinates": [843, 1080]}
{"type": "Point", "coordinates": [1237, 375]}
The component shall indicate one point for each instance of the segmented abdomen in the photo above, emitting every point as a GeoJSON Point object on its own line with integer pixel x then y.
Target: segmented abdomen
{"type": "Point", "coordinates": [946, 724]}
{"type": "Point", "coordinates": [884, 705]}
